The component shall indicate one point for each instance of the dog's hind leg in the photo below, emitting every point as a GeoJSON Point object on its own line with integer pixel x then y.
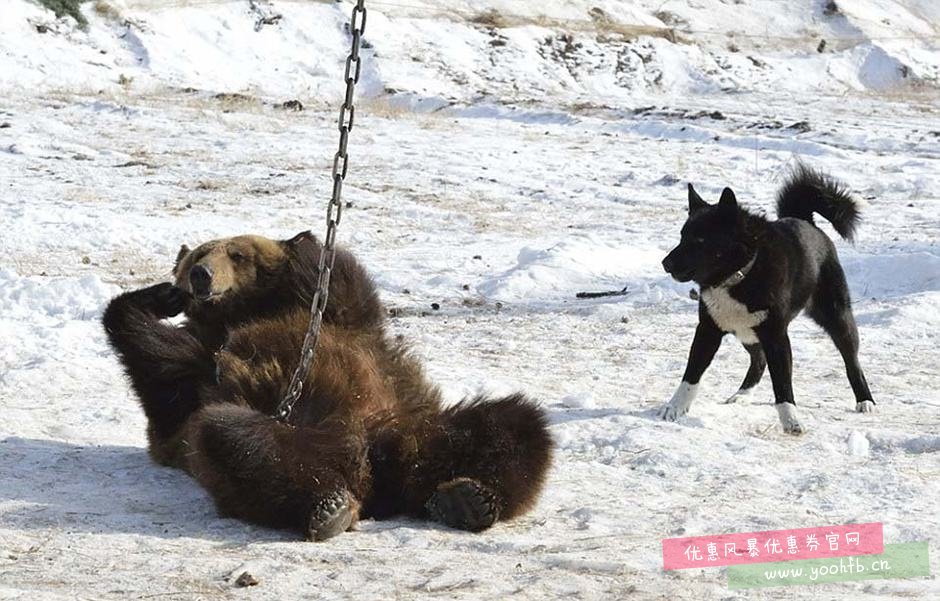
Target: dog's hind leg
{"type": "Point", "coordinates": [308, 479]}
{"type": "Point", "coordinates": [704, 346]}
{"type": "Point", "coordinates": [754, 372]}
{"type": "Point", "coordinates": [831, 308]}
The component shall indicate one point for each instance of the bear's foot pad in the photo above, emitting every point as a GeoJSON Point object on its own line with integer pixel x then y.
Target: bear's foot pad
{"type": "Point", "coordinates": [332, 514]}
{"type": "Point", "coordinates": [464, 504]}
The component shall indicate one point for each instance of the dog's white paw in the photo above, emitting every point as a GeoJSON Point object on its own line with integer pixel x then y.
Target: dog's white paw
{"type": "Point", "coordinates": [787, 413]}
{"type": "Point", "coordinates": [680, 402]}
{"type": "Point", "coordinates": [865, 407]}
{"type": "Point", "coordinates": [671, 413]}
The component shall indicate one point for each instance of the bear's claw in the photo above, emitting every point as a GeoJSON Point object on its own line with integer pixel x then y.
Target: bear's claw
{"type": "Point", "coordinates": [332, 514]}
{"type": "Point", "coordinates": [464, 504]}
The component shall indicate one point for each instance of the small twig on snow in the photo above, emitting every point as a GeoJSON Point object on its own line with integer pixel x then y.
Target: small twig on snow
{"type": "Point", "coordinates": [621, 292]}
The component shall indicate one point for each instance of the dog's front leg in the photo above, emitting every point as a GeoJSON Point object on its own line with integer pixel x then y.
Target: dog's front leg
{"type": "Point", "coordinates": [704, 346]}
{"type": "Point", "coordinates": [776, 344]}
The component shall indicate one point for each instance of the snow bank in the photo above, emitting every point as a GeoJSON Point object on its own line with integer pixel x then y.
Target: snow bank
{"type": "Point", "coordinates": [889, 274]}
{"type": "Point", "coordinates": [211, 47]}
{"type": "Point", "coordinates": [566, 267]}
{"type": "Point", "coordinates": [46, 325]}
{"type": "Point", "coordinates": [868, 67]}
{"type": "Point", "coordinates": [58, 299]}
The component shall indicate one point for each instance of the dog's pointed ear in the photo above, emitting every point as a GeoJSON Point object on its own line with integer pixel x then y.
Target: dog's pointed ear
{"type": "Point", "coordinates": [696, 203]}
{"type": "Point", "coordinates": [184, 250]}
{"type": "Point", "coordinates": [728, 199]}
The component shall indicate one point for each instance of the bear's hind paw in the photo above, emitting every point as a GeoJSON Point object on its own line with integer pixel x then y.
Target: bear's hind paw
{"type": "Point", "coordinates": [464, 504]}
{"type": "Point", "coordinates": [332, 514]}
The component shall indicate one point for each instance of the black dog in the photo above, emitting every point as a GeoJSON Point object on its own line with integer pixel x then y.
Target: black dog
{"type": "Point", "coordinates": [757, 275]}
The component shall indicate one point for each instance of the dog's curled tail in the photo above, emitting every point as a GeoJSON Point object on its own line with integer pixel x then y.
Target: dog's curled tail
{"type": "Point", "coordinates": [807, 191]}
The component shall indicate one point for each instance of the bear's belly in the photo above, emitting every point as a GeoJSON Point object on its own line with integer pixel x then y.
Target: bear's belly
{"type": "Point", "coordinates": [731, 315]}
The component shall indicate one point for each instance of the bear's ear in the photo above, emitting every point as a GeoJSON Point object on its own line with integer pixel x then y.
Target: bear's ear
{"type": "Point", "coordinates": [696, 203]}
{"type": "Point", "coordinates": [303, 236]}
{"type": "Point", "coordinates": [184, 250]}
{"type": "Point", "coordinates": [728, 199]}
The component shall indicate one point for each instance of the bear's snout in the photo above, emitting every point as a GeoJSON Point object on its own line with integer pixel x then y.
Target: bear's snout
{"type": "Point", "coordinates": [200, 278]}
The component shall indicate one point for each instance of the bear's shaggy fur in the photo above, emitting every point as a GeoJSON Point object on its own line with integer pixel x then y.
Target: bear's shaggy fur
{"type": "Point", "coordinates": [368, 437]}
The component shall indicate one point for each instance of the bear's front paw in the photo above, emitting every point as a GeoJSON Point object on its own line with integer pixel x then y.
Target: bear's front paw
{"type": "Point", "coordinates": [331, 514]}
{"type": "Point", "coordinates": [165, 300]}
{"type": "Point", "coordinates": [465, 504]}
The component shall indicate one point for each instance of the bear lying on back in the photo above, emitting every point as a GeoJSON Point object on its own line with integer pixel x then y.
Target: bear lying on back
{"type": "Point", "coordinates": [369, 436]}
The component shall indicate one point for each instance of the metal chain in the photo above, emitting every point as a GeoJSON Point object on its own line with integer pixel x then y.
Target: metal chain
{"type": "Point", "coordinates": [334, 212]}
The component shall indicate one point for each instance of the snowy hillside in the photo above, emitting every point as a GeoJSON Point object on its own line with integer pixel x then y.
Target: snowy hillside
{"type": "Point", "coordinates": [507, 155]}
{"type": "Point", "coordinates": [432, 52]}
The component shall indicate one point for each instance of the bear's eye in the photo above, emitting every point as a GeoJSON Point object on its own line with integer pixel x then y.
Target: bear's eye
{"type": "Point", "coordinates": [236, 255]}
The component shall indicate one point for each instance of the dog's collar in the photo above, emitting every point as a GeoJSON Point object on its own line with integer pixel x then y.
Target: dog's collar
{"type": "Point", "coordinates": [738, 276]}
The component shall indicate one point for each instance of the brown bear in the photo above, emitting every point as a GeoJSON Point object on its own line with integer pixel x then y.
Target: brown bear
{"type": "Point", "coordinates": [369, 436]}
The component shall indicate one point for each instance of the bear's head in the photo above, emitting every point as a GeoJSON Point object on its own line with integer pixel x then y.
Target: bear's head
{"type": "Point", "coordinates": [231, 275]}
{"type": "Point", "coordinates": [234, 280]}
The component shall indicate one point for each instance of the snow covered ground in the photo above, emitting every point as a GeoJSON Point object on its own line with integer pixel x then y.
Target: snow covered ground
{"type": "Point", "coordinates": [503, 161]}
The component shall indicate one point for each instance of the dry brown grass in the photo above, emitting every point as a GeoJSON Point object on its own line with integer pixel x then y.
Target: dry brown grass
{"type": "Point", "coordinates": [599, 23]}
{"type": "Point", "coordinates": [107, 10]}
{"type": "Point", "coordinates": [491, 18]}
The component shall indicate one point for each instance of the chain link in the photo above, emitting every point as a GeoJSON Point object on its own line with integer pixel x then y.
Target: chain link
{"type": "Point", "coordinates": [334, 213]}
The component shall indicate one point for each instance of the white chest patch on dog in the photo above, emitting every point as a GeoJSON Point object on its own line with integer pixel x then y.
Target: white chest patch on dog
{"type": "Point", "coordinates": [732, 315]}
